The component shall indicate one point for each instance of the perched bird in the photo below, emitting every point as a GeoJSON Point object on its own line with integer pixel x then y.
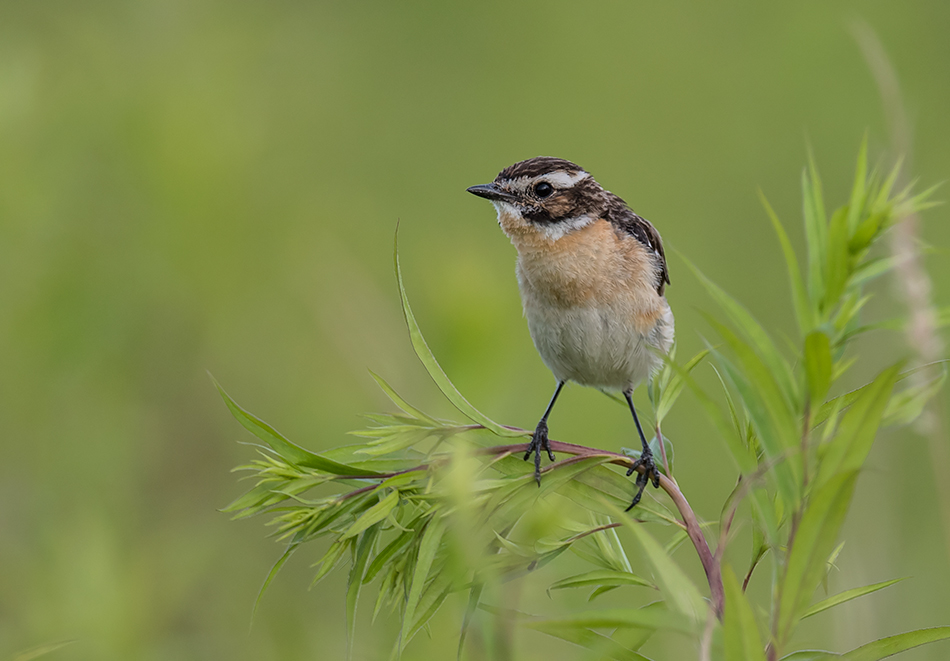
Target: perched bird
{"type": "Point", "coordinates": [592, 276]}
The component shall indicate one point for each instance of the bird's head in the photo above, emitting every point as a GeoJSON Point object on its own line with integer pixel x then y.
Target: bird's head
{"type": "Point", "coordinates": [544, 196]}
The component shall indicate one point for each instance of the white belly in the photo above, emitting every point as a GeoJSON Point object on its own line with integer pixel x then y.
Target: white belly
{"type": "Point", "coordinates": [594, 346]}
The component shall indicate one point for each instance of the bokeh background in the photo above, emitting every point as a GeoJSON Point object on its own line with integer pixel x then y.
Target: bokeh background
{"type": "Point", "coordinates": [190, 186]}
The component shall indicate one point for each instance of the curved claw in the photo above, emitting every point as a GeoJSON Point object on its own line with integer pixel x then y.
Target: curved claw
{"type": "Point", "coordinates": [649, 474]}
{"type": "Point", "coordinates": [641, 483]}
{"type": "Point", "coordinates": [539, 441]}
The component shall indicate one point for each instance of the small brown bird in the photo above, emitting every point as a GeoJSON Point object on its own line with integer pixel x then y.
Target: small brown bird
{"type": "Point", "coordinates": [592, 276]}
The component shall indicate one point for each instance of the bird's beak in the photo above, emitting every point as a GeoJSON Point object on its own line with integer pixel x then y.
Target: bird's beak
{"type": "Point", "coordinates": [491, 192]}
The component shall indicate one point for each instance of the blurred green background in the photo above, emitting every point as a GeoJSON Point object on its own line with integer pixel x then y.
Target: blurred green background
{"type": "Point", "coordinates": [192, 186]}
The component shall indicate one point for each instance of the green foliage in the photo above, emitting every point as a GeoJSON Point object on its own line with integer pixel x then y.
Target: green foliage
{"type": "Point", "coordinates": [847, 595]}
{"type": "Point", "coordinates": [426, 507]}
{"type": "Point", "coordinates": [740, 632]}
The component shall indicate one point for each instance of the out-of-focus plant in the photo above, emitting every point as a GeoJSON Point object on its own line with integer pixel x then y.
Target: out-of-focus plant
{"type": "Point", "coordinates": [425, 507]}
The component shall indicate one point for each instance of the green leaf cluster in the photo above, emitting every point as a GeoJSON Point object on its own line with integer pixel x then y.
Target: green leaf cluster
{"type": "Point", "coordinates": [798, 441]}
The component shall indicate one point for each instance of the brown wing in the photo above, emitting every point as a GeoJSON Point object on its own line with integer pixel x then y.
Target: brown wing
{"type": "Point", "coordinates": [625, 220]}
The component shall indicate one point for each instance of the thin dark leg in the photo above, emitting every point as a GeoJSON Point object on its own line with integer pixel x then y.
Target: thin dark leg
{"type": "Point", "coordinates": [645, 460]}
{"type": "Point", "coordinates": [539, 441]}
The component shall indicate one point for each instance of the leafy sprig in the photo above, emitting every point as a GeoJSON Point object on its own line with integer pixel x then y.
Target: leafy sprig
{"type": "Point", "coordinates": [426, 507]}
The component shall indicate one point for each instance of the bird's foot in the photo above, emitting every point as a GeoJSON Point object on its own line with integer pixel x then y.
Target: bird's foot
{"type": "Point", "coordinates": [539, 441]}
{"type": "Point", "coordinates": [650, 473]}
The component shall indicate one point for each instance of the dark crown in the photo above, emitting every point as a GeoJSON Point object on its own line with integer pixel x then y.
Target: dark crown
{"type": "Point", "coordinates": [534, 167]}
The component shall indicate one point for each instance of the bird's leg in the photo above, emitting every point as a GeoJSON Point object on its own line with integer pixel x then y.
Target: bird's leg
{"type": "Point", "coordinates": [645, 460]}
{"type": "Point", "coordinates": [539, 440]}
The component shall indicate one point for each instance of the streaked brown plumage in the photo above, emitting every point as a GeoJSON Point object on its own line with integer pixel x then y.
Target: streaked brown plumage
{"type": "Point", "coordinates": [592, 276]}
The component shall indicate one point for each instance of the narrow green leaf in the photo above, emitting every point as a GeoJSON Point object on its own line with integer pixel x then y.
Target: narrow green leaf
{"type": "Point", "coordinates": [816, 536]}
{"type": "Point", "coordinates": [837, 259]}
{"type": "Point", "coordinates": [604, 646]}
{"type": "Point", "coordinates": [676, 587]}
{"type": "Point", "coordinates": [907, 405]}
{"type": "Point", "coordinates": [336, 511]}
{"type": "Point", "coordinates": [743, 456]}
{"type": "Point", "coordinates": [770, 414]}
{"type": "Point", "coordinates": [634, 638]}
{"type": "Point", "coordinates": [286, 449]}
{"type": "Point", "coordinates": [432, 366]}
{"type": "Point", "coordinates": [589, 489]}
{"type": "Point", "coordinates": [858, 427]}
{"type": "Point", "coordinates": [885, 647]}
{"type": "Point", "coordinates": [867, 231]}
{"type": "Point", "coordinates": [641, 618]}
{"type": "Point", "coordinates": [399, 401]}
{"type": "Point", "coordinates": [818, 365]}
{"type": "Point", "coordinates": [676, 541]}
{"type": "Point", "coordinates": [846, 318]}
{"type": "Point", "coordinates": [740, 632]}
{"type": "Point", "coordinates": [387, 588]}
{"type": "Point", "coordinates": [844, 401]}
{"type": "Point", "coordinates": [829, 565]}
{"type": "Point", "coordinates": [252, 501]}
{"type": "Point", "coordinates": [859, 191]}
{"type": "Point", "coordinates": [603, 589]}
{"type": "Point", "coordinates": [885, 189]}
{"type": "Point", "coordinates": [609, 544]}
{"type": "Point", "coordinates": [432, 599]}
{"type": "Point", "coordinates": [474, 596]}
{"type": "Point", "coordinates": [811, 655]}
{"type": "Point", "coordinates": [871, 269]}
{"type": "Point", "coordinates": [270, 576]}
{"type": "Point", "coordinates": [420, 573]}
{"type": "Point", "coordinates": [364, 549]}
{"type": "Point", "coordinates": [395, 442]}
{"type": "Point", "coordinates": [554, 480]}
{"type": "Point", "coordinates": [803, 311]}
{"type": "Point", "coordinates": [676, 384]}
{"type": "Point", "coordinates": [846, 596]}
{"type": "Point", "coordinates": [600, 577]}
{"type": "Point", "coordinates": [373, 515]}
{"type": "Point", "coordinates": [331, 559]}
{"type": "Point", "coordinates": [778, 367]}
{"type": "Point", "coordinates": [513, 547]}
{"type": "Point", "coordinates": [816, 229]}
{"type": "Point", "coordinates": [383, 557]}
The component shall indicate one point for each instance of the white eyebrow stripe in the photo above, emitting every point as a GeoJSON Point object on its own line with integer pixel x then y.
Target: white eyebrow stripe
{"type": "Point", "coordinates": [559, 179]}
{"type": "Point", "coordinates": [563, 179]}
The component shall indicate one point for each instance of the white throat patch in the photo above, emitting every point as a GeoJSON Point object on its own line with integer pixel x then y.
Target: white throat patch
{"type": "Point", "coordinates": [550, 231]}
{"type": "Point", "coordinates": [555, 231]}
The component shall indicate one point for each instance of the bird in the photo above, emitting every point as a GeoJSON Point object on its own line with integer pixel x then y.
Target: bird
{"type": "Point", "coordinates": [592, 276]}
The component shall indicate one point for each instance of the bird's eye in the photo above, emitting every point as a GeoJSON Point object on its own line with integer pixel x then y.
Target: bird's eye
{"type": "Point", "coordinates": [543, 189]}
